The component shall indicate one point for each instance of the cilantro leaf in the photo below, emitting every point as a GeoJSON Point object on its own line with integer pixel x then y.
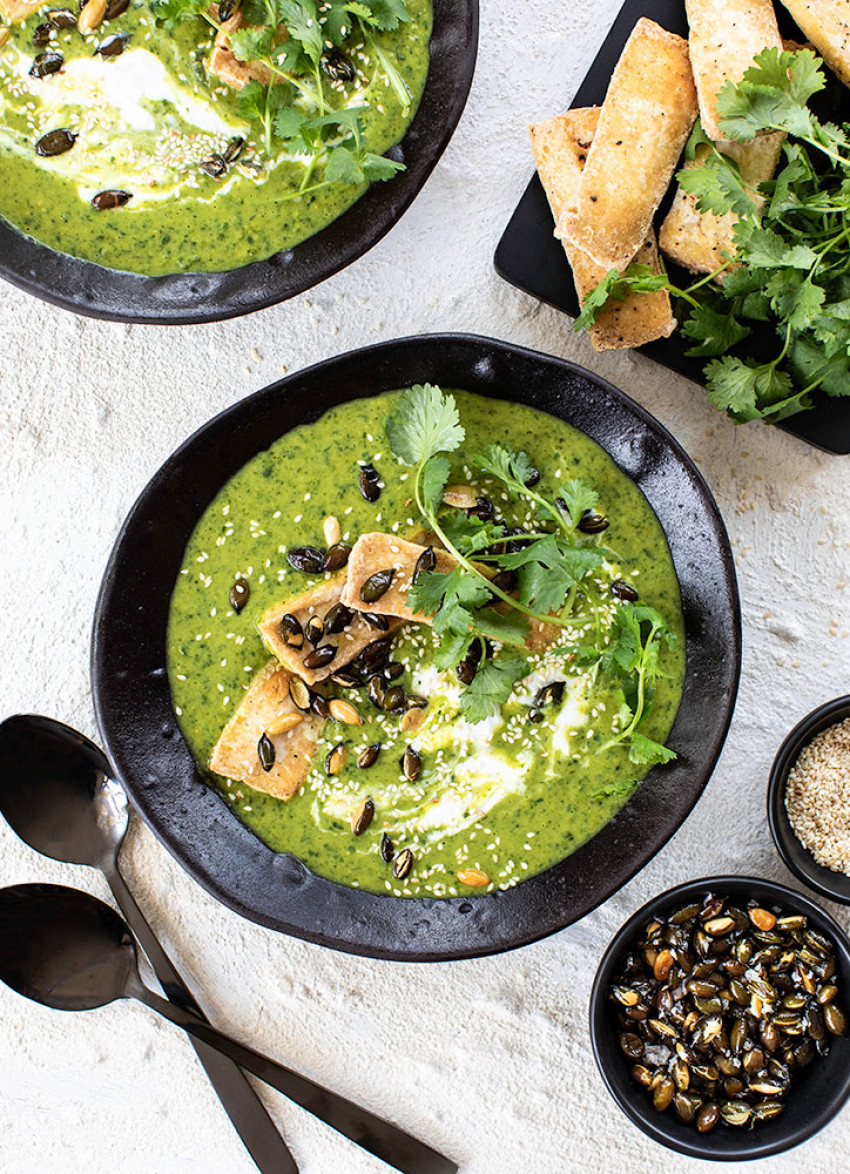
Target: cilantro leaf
{"type": "Point", "coordinates": [762, 248]}
{"type": "Point", "coordinates": [426, 594]}
{"type": "Point", "coordinates": [249, 44]}
{"type": "Point", "coordinates": [385, 15]}
{"type": "Point", "coordinates": [452, 649]}
{"type": "Point", "coordinates": [717, 183]}
{"type": "Point", "coordinates": [716, 331]}
{"type": "Point", "coordinates": [491, 687]}
{"type": "Point", "coordinates": [424, 423]}
{"type": "Point", "coordinates": [173, 12]}
{"type": "Point", "coordinates": [435, 474]}
{"type": "Point", "coordinates": [731, 387]}
{"type": "Point", "coordinates": [795, 298]}
{"type": "Point", "coordinates": [578, 498]}
{"type": "Point", "coordinates": [645, 752]}
{"type": "Point", "coordinates": [514, 468]}
{"type": "Point", "coordinates": [380, 167]}
{"type": "Point", "coordinates": [343, 167]}
{"type": "Point", "coordinates": [507, 629]}
{"type": "Point", "coordinates": [301, 18]}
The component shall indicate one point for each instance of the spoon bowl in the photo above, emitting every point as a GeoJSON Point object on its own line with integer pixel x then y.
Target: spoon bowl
{"type": "Point", "coordinates": [56, 792]}
{"type": "Point", "coordinates": [63, 948]}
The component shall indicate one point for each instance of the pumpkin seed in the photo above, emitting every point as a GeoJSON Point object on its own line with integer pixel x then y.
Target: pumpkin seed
{"type": "Point", "coordinates": [707, 1117]}
{"type": "Point", "coordinates": [91, 16]}
{"type": "Point", "coordinates": [394, 699]}
{"type": "Point", "coordinates": [307, 559]}
{"type": "Point", "coordinates": [622, 590]}
{"type": "Point", "coordinates": [331, 530]}
{"type": "Point", "coordinates": [376, 621]}
{"type": "Point", "coordinates": [460, 497]}
{"type": "Point", "coordinates": [347, 678]}
{"type": "Point", "coordinates": [266, 753]}
{"type": "Point", "coordinates": [338, 66]}
{"type": "Point", "coordinates": [337, 557]}
{"type": "Point", "coordinates": [377, 585]}
{"type": "Point", "coordinates": [291, 631]}
{"type": "Point", "coordinates": [473, 878]}
{"type": "Point", "coordinates": [116, 8]}
{"type": "Point", "coordinates": [5, 33]}
{"type": "Point", "coordinates": [427, 561]}
{"type": "Point", "coordinates": [112, 198]}
{"type": "Point", "coordinates": [403, 864]}
{"type": "Point", "coordinates": [411, 764]}
{"type": "Point", "coordinates": [63, 18]}
{"type": "Point", "coordinates": [338, 619]}
{"type": "Point", "coordinates": [344, 711]}
{"type": "Point", "coordinates": [412, 720]}
{"type": "Point", "coordinates": [300, 693]}
{"type": "Point", "coordinates": [236, 145]}
{"type": "Point", "coordinates": [284, 724]}
{"type": "Point", "coordinates": [319, 706]}
{"type": "Point", "coordinates": [240, 593]}
{"type": "Point", "coordinates": [315, 630]}
{"type": "Point", "coordinates": [369, 756]}
{"type": "Point", "coordinates": [591, 522]}
{"type": "Point", "coordinates": [835, 1019]}
{"type": "Point", "coordinates": [47, 63]}
{"type": "Point", "coordinates": [370, 483]}
{"type": "Point", "coordinates": [335, 759]}
{"type": "Point", "coordinates": [387, 848]}
{"type": "Point", "coordinates": [114, 46]}
{"type": "Point", "coordinates": [363, 817]}
{"type": "Point", "coordinates": [375, 691]}
{"type": "Point", "coordinates": [320, 657]}
{"type": "Point", "coordinates": [55, 142]}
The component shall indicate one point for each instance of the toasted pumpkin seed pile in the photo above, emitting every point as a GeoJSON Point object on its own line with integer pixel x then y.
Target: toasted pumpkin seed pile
{"type": "Point", "coordinates": [719, 1006]}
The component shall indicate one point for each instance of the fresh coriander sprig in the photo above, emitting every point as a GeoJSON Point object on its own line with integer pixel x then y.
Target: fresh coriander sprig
{"type": "Point", "coordinates": [792, 249]}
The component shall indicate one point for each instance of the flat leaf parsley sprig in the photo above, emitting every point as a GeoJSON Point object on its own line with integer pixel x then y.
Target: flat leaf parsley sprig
{"type": "Point", "coordinates": [792, 241]}
{"type": "Point", "coordinates": [296, 111]}
{"type": "Point", "coordinates": [552, 564]}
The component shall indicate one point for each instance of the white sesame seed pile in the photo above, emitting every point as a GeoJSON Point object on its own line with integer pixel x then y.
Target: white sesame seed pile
{"type": "Point", "coordinates": [817, 797]}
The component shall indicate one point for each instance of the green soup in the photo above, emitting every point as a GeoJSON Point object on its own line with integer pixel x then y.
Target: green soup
{"type": "Point", "coordinates": [507, 797]}
{"type": "Point", "coordinates": [154, 121]}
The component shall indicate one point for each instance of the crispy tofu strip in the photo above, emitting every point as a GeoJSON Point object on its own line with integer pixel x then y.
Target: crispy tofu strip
{"type": "Point", "coordinates": [701, 241]}
{"type": "Point", "coordinates": [227, 66]}
{"type": "Point", "coordinates": [725, 37]}
{"type": "Point", "coordinates": [16, 11]}
{"type": "Point", "coordinates": [378, 552]}
{"type": "Point", "coordinates": [317, 601]}
{"type": "Point", "coordinates": [645, 120]}
{"type": "Point", "coordinates": [266, 701]}
{"type": "Point", "coordinates": [560, 147]}
{"type": "Point", "coordinates": [826, 23]}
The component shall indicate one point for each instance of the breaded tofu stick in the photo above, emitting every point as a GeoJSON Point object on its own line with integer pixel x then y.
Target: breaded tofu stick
{"type": "Point", "coordinates": [16, 11]}
{"type": "Point", "coordinates": [826, 23]}
{"type": "Point", "coordinates": [560, 147]}
{"type": "Point", "coordinates": [379, 552]}
{"type": "Point", "coordinates": [700, 241]}
{"type": "Point", "coordinates": [725, 37]}
{"type": "Point", "coordinates": [317, 601]}
{"type": "Point", "coordinates": [644, 123]}
{"type": "Point", "coordinates": [264, 705]}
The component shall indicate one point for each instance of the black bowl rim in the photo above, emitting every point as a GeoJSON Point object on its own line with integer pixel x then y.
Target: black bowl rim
{"type": "Point", "coordinates": [645, 1118]}
{"type": "Point", "coordinates": [187, 299]}
{"type": "Point", "coordinates": [832, 885]}
{"type": "Point", "coordinates": [352, 920]}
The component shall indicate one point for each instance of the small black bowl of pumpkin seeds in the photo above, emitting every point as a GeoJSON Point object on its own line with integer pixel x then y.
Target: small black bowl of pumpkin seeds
{"type": "Point", "coordinates": [719, 1018]}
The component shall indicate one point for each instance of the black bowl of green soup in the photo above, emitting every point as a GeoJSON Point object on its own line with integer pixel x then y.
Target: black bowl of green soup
{"type": "Point", "coordinates": [422, 652]}
{"type": "Point", "coordinates": [171, 167]}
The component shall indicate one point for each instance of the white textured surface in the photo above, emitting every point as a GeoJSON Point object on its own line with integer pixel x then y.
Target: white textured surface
{"type": "Point", "coordinates": [487, 1059]}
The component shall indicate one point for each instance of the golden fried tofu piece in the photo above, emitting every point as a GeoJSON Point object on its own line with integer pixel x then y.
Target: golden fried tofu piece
{"type": "Point", "coordinates": [700, 241]}
{"type": "Point", "coordinates": [826, 23]}
{"type": "Point", "coordinates": [560, 147]}
{"type": "Point", "coordinates": [725, 36]}
{"type": "Point", "coordinates": [266, 701]}
{"type": "Point", "coordinates": [227, 66]}
{"type": "Point", "coordinates": [644, 123]}
{"type": "Point", "coordinates": [16, 11]}
{"type": "Point", "coordinates": [378, 552]}
{"type": "Point", "coordinates": [318, 601]}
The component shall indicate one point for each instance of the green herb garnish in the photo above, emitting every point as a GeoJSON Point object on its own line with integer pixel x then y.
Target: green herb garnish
{"type": "Point", "coordinates": [792, 238]}
{"type": "Point", "coordinates": [296, 112]}
{"type": "Point", "coordinates": [554, 564]}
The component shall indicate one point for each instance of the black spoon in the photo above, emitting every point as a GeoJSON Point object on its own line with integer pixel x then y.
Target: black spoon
{"type": "Point", "coordinates": [66, 949]}
{"type": "Point", "coordinates": [57, 794]}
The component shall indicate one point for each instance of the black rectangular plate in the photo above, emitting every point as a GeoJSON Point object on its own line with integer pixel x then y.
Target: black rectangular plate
{"type": "Point", "coordinates": [530, 257]}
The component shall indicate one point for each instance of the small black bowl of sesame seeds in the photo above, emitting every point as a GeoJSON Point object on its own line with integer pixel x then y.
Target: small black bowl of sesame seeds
{"type": "Point", "coordinates": [808, 800]}
{"type": "Point", "coordinates": [719, 1018]}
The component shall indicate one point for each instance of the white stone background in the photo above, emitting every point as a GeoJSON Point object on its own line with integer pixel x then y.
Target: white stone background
{"type": "Point", "coordinates": [488, 1059]}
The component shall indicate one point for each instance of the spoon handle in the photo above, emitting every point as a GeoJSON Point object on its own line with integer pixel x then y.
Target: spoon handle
{"type": "Point", "coordinates": [387, 1142]}
{"type": "Point", "coordinates": [241, 1103]}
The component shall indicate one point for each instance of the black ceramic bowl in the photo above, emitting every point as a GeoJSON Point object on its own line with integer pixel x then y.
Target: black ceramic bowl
{"type": "Point", "coordinates": [817, 1092]}
{"type": "Point", "coordinates": [133, 700]}
{"type": "Point", "coordinates": [184, 298]}
{"type": "Point", "coordinates": [834, 885]}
